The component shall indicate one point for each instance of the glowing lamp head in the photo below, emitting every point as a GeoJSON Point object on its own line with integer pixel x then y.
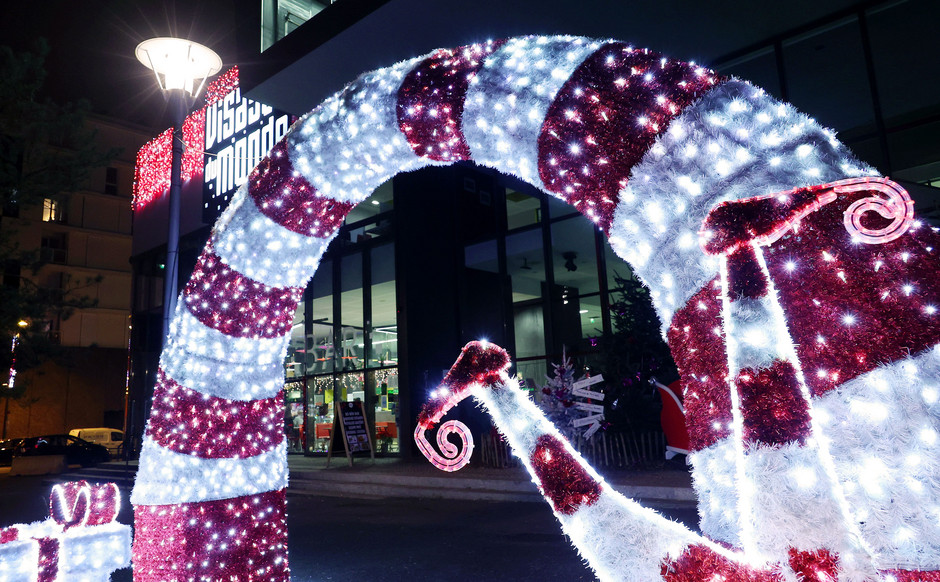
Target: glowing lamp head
{"type": "Point", "coordinates": [178, 63]}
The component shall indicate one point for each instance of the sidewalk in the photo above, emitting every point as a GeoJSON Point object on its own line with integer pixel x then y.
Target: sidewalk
{"type": "Point", "coordinates": [416, 478]}
{"type": "Point", "coordinates": [392, 477]}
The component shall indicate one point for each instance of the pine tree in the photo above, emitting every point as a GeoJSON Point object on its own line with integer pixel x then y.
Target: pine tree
{"type": "Point", "coordinates": [45, 153]}
{"type": "Point", "coordinates": [632, 355]}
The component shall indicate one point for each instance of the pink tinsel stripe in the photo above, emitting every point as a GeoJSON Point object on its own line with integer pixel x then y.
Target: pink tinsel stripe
{"type": "Point", "coordinates": [188, 422]}
{"type": "Point", "coordinates": [606, 117]}
{"type": "Point", "coordinates": [285, 197]}
{"type": "Point", "coordinates": [236, 305]}
{"type": "Point", "coordinates": [431, 99]}
{"type": "Point", "coordinates": [243, 538]}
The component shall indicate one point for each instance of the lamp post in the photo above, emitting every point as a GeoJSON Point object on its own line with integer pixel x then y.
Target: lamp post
{"type": "Point", "coordinates": [178, 64]}
{"type": "Point", "coordinates": [22, 324]}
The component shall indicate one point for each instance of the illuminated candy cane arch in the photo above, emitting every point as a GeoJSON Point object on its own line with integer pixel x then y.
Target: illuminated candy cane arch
{"type": "Point", "coordinates": [802, 318]}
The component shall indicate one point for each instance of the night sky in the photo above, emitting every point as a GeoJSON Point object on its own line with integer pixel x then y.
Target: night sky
{"type": "Point", "coordinates": [92, 46]}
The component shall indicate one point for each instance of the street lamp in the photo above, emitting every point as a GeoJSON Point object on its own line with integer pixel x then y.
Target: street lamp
{"type": "Point", "coordinates": [23, 324]}
{"type": "Point", "coordinates": [178, 64]}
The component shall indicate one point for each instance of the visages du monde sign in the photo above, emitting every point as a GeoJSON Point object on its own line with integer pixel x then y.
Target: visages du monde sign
{"type": "Point", "coordinates": [239, 132]}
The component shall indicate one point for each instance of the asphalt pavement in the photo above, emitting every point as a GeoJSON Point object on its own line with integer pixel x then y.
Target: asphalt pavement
{"type": "Point", "coordinates": [396, 520]}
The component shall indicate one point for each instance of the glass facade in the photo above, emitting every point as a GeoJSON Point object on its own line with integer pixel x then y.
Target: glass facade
{"type": "Point", "coordinates": [344, 344]}
{"type": "Point", "coordinates": [850, 73]}
{"type": "Point", "coordinates": [513, 260]}
{"type": "Point", "coordinates": [282, 17]}
{"type": "Point", "coordinates": [561, 270]}
{"type": "Point", "coordinates": [552, 266]}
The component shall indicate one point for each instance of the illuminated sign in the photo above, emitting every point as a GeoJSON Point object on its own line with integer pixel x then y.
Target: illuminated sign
{"type": "Point", "coordinates": [239, 132]}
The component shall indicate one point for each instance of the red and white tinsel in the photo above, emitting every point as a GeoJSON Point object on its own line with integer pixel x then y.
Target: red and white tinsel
{"type": "Point", "coordinates": [810, 364]}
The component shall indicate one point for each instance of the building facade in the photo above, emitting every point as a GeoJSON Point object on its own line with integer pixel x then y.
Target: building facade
{"type": "Point", "coordinates": [441, 256]}
{"type": "Point", "coordinates": [85, 239]}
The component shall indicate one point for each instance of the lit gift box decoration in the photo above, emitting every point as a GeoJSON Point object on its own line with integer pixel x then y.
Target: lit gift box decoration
{"type": "Point", "coordinates": [80, 541]}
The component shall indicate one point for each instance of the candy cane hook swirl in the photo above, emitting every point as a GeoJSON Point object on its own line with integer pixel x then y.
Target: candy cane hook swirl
{"type": "Point", "coordinates": [477, 364]}
{"type": "Point", "coordinates": [898, 208]}
{"type": "Point", "coordinates": [453, 458]}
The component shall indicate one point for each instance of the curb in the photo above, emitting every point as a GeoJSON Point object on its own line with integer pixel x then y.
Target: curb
{"type": "Point", "coordinates": [377, 485]}
{"type": "Point", "coordinates": [408, 484]}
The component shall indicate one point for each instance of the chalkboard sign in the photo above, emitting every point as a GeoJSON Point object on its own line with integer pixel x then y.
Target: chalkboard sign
{"type": "Point", "coordinates": [350, 432]}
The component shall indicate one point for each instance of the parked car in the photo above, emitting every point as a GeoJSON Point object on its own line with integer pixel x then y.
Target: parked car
{"type": "Point", "coordinates": [110, 438]}
{"type": "Point", "coordinates": [6, 451]}
{"type": "Point", "coordinates": [76, 450]}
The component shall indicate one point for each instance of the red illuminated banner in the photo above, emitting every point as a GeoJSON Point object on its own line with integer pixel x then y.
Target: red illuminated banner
{"type": "Point", "coordinates": [222, 142]}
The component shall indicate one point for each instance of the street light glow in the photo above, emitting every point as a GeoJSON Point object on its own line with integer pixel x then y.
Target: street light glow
{"type": "Point", "coordinates": [178, 63]}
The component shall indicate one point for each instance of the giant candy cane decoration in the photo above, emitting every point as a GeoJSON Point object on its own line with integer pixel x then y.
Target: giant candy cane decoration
{"type": "Point", "coordinates": [645, 147]}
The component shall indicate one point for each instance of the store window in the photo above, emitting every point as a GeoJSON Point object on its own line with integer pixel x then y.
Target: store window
{"type": "Point", "coordinates": [352, 387]}
{"type": "Point", "coordinates": [386, 409]}
{"type": "Point", "coordinates": [522, 209]}
{"type": "Point", "coordinates": [561, 292]}
{"type": "Point", "coordinates": [558, 208]}
{"type": "Point", "coordinates": [384, 335]}
{"type": "Point", "coordinates": [352, 343]}
{"type": "Point", "coordinates": [575, 300]}
{"type": "Point", "coordinates": [379, 202]}
{"type": "Point", "coordinates": [616, 268]}
{"type": "Point", "coordinates": [296, 359]}
{"type": "Point", "coordinates": [591, 316]}
{"type": "Point", "coordinates": [350, 330]}
{"type": "Point", "coordinates": [525, 264]}
{"type": "Point", "coordinates": [320, 359]}
{"type": "Point", "coordinates": [294, 417]}
{"type": "Point", "coordinates": [319, 413]}
{"type": "Point", "coordinates": [384, 348]}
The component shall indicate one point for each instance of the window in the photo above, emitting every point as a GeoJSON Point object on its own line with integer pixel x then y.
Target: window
{"type": "Point", "coordinates": [352, 342]}
{"type": "Point", "coordinates": [53, 330]}
{"type": "Point", "coordinates": [11, 274]}
{"type": "Point", "coordinates": [522, 209]}
{"type": "Point", "coordinates": [53, 210]}
{"type": "Point", "coordinates": [576, 305]}
{"type": "Point", "coordinates": [297, 348]}
{"type": "Point", "coordinates": [384, 347]}
{"type": "Point", "coordinates": [320, 356]}
{"type": "Point", "coordinates": [282, 17]}
{"type": "Point", "coordinates": [350, 337]}
{"type": "Point", "coordinates": [11, 208]}
{"type": "Point", "coordinates": [54, 248]}
{"type": "Point", "coordinates": [111, 181]}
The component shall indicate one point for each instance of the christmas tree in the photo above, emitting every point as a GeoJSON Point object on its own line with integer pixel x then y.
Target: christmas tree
{"type": "Point", "coordinates": [634, 354]}
{"type": "Point", "coordinates": [572, 404]}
